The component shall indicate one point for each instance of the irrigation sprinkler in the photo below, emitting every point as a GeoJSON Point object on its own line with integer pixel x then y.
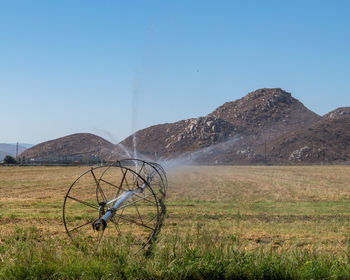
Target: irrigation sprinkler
{"type": "Point", "coordinates": [122, 202]}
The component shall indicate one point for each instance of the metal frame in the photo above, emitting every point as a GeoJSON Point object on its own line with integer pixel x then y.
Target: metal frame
{"type": "Point", "coordinates": [107, 210]}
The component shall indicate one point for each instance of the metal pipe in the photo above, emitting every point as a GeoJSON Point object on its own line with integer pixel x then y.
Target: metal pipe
{"type": "Point", "coordinates": [124, 197]}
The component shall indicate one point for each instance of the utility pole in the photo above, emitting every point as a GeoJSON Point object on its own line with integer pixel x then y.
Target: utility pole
{"type": "Point", "coordinates": [98, 151]}
{"type": "Point", "coordinates": [17, 150]}
{"type": "Point", "coordinates": [265, 136]}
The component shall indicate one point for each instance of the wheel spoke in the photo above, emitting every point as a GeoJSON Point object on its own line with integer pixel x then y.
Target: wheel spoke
{"type": "Point", "coordinates": [145, 198]}
{"type": "Point", "coordinates": [98, 186]}
{"type": "Point", "coordinates": [137, 209]}
{"type": "Point", "coordinates": [116, 225]}
{"type": "Point", "coordinates": [100, 236]}
{"type": "Point", "coordinates": [134, 222]}
{"type": "Point", "coordinates": [121, 182]}
{"type": "Point", "coordinates": [120, 215]}
{"type": "Point", "coordinates": [109, 183]}
{"type": "Point", "coordinates": [143, 165]}
{"type": "Point", "coordinates": [78, 227]}
{"type": "Point", "coordinates": [83, 202]}
{"type": "Point", "coordinates": [152, 219]}
{"type": "Point", "coordinates": [126, 180]}
{"type": "Point", "coordinates": [126, 205]}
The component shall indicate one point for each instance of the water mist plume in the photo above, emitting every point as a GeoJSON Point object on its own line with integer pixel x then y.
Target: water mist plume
{"type": "Point", "coordinates": [136, 85]}
{"type": "Point", "coordinates": [124, 149]}
{"type": "Point", "coordinates": [200, 156]}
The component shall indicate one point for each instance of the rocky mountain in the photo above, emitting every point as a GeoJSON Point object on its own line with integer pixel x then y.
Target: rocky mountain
{"type": "Point", "coordinates": [265, 126]}
{"type": "Point", "coordinates": [80, 144]}
{"type": "Point", "coordinates": [245, 125]}
{"type": "Point", "coordinates": [325, 141]}
{"type": "Point", "coordinates": [271, 111]}
{"type": "Point", "coordinates": [174, 139]}
{"type": "Point", "coordinates": [342, 112]}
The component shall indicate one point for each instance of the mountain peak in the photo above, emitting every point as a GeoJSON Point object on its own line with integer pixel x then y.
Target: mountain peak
{"type": "Point", "coordinates": [338, 113]}
{"type": "Point", "coordinates": [269, 108]}
{"type": "Point", "coordinates": [74, 144]}
{"type": "Point", "coordinates": [276, 93]}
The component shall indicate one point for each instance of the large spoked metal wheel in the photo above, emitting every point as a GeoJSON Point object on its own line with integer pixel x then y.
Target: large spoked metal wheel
{"type": "Point", "coordinates": [134, 222]}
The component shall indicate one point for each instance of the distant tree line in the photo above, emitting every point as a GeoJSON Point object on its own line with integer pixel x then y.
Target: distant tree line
{"type": "Point", "coordinates": [65, 160]}
{"type": "Point", "coordinates": [9, 160]}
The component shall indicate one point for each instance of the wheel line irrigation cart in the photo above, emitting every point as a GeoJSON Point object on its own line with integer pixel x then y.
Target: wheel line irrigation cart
{"type": "Point", "coordinates": [121, 203]}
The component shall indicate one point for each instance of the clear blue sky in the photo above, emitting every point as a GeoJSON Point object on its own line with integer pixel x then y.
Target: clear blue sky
{"type": "Point", "coordinates": [111, 67]}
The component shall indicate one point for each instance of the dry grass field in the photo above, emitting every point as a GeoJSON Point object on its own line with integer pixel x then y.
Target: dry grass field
{"type": "Point", "coordinates": [249, 208]}
{"type": "Point", "coordinates": [286, 207]}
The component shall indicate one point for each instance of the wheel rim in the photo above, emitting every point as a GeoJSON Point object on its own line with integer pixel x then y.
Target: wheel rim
{"type": "Point", "coordinates": [135, 224]}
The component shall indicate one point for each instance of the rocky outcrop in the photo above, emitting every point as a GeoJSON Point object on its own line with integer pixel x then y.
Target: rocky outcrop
{"type": "Point", "coordinates": [271, 111]}
{"type": "Point", "coordinates": [300, 155]}
{"type": "Point", "coordinates": [342, 112]}
{"type": "Point", "coordinates": [325, 141]}
{"type": "Point", "coordinates": [171, 140]}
